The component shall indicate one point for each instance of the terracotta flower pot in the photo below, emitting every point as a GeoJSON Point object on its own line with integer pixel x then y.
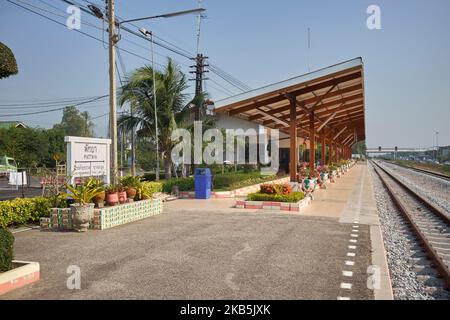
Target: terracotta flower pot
{"type": "Point", "coordinates": [82, 214]}
{"type": "Point", "coordinates": [131, 193]}
{"type": "Point", "coordinates": [99, 199]}
{"type": "Point", "coordinates": [122, 196]}
{"type": "Point", "coordinates": [112, 198]}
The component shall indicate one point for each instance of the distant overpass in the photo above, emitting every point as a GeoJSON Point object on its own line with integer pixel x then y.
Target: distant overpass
{"type": "Point", "coordinates": [399, 149]}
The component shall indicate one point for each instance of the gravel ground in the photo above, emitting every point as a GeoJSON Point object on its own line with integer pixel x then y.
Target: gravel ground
{"type": "Point", "coordinates": [411, 273]}
{"type": "Point", "coordinates": [433, 188]}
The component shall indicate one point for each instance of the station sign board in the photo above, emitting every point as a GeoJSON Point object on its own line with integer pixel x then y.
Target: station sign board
{"type": "Point", "coordinates": [88, 157]}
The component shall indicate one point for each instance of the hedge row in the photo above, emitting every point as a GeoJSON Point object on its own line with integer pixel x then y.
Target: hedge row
{"type": "Point", "coordinates": [292, 197]}
{"type": "Point", "coordinates": [6, 249]}
{"type": "Point", "coordinates": [224, 182]}
{"type": "Point", "coordinates": [20, 211]}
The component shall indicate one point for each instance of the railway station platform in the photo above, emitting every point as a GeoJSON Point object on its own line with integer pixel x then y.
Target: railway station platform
{"type": "Point", "coordinates": [206, 249]}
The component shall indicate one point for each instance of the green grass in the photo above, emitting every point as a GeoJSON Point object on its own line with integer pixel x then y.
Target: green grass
{"type": "Point", "coordinates": [292, 197]}
{"type": "Point", "coordinates": [444, 169]}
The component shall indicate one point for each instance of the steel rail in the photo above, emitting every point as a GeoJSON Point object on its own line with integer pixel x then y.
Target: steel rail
{"type": "Point", "coordinates": [437, 260]}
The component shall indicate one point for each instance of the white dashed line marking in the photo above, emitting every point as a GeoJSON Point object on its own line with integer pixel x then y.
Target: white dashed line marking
{"type": "Point", "coordinates": [353, 240]}
{"type": "Point", "coordinates": [352, 247]}
{"type": "Point", "coordinates": [351, 254]}
{"type": "Point", "coordinates": [354, 235]}
{"type": "Point", "coordinates": [356, 226]}
{"type": "Point", "coordinates": [355, 230]}
{"type": "Point", "coordinates": [345, 285]}
{"type": "Point", "coordinates": [347, 273]}
{"type": "Point", "coordinates": [343, 298]}
{"type": "Point", "coordinates": [349, 263]}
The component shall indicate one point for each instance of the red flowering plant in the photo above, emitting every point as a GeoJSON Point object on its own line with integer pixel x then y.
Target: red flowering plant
{"type": "Point", "coordinates": [282, 189]}
{"type": "Point", "coordinates": [268, 189]}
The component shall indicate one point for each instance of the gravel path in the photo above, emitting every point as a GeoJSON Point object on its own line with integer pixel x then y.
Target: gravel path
{"type": "Point", "coordinates": [433, 188]}
{"type": "Point", "coordinates": [410, 271]}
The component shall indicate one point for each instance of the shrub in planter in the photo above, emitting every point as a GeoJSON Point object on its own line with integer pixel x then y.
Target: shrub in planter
{"type": "Point", "coordinates": [112, 195]}
{"type": "Point", "coordinates": [83, 210]}
{"type": "Point", "coordinates": [284, 188]}
{"type": "Point", "coordinates": [292, 197]}
{"type": "Point", "coordinates": [131, 184]}
{"type": "Point", "coordinates": [6, 249]}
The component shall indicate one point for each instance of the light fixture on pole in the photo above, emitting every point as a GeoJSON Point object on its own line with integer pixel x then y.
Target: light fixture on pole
{"type": "Point", "coordinates": [150, 34]}
{"type": "Point", "coordinates": [437, 145]}
{"type": "Point", "coordinates": [114, 38]}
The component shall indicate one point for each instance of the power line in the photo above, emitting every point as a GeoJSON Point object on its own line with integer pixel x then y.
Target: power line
{"type": "Point", "coordinates": [216, 70]}
{"type": "Point", "coordinates": [52, 110]}
{"type": "Point", "coordinates": [84, 33]}
{"type": "Point", "coordinates": [54, 103]}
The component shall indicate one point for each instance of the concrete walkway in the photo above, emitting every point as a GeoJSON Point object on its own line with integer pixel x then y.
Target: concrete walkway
{"type": "Point", "coordinates": [207, 249]}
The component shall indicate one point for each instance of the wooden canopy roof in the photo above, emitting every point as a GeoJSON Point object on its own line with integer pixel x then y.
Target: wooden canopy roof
{"type": "Point", "coordinates": [335, 95]}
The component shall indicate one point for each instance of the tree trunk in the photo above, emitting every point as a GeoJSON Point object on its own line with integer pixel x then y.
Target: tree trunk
{"type": "Point", "coordinates": [167, 167]}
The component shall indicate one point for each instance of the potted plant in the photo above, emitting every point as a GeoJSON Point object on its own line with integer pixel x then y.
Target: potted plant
{"type": "Point", "coordinates": [131, 183]}
{"type": "Point", "coordinates": [122, 193]}
{"type": "Point", "coordinates": [82, 210]}
{"type": "Point", "coordinates": [99, 199]}
{"type": "Point", "coordinates": [112, 195]}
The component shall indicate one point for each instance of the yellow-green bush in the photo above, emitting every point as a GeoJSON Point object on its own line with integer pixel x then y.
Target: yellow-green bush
{"type": "Point", "coordinates": [19, 211]}
{"type": "Point", "coordinates": [6, 249]}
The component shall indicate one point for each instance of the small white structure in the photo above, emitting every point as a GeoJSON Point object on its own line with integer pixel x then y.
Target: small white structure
{"type": "Point", "coordinates": [88, 157]}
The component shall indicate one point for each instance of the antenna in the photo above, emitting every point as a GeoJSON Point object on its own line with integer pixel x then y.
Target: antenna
{"type": "Point", "coordinates": [309, 49]}
{"type": "Point", "coordinates": [199, 22]}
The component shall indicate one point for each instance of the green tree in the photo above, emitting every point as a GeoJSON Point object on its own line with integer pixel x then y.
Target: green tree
{"type": "Point", "coordinates": [75, 123]}
{"type": "Point", "coordinates": [28, 146]}
{"type": "Point", "coordinates": [8, 64]}
{"type": "Point", "coordinates": [360, 148]}
{"type": "Point", "coordinates": [171, 106]}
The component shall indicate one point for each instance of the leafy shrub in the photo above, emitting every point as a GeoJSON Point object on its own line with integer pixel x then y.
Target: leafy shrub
{"type": "Point", "coordinates": [20, 211]}
{"type": "Point", "coordinates": [231, 181]}
{"type": "Point", "coordinates": [6, 249]}
{"type": "Point", "coordinates": [292, 197]}
{"type": "Point", "coordinates": [184, 184]}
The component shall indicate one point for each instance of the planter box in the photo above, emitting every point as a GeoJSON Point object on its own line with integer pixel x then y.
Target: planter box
{"type": "Point", "coordinates": [107, 217]}
{"type": "Point", "coordinates": [273, 205]}
{"type": "Point", "coordinates": [24, 273]}
{"type": "Point", "coordinates": [241, 192]}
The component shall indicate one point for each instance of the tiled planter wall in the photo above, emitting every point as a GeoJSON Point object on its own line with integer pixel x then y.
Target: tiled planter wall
{"type": "Point", "coordinates": [271, 205]}
{"type": "Point", "coordinates": [107, 217]}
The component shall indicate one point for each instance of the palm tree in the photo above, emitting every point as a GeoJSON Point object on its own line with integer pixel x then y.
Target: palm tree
{"type": "Point", "coordinates": [171, 108]}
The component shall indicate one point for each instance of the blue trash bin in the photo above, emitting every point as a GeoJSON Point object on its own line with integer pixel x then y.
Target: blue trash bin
{"type": "Point", "coordinates": [202, 182]}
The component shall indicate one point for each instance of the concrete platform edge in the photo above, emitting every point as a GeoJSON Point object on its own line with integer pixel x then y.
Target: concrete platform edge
{"type": "Point", "coordinates": [379, 259]}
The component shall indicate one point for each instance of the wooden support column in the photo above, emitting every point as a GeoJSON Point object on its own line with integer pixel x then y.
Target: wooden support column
{"type": "Point", "coordinates": [323, 151]}
{"type": "Point", "coordinates": [312, 141]}
{"type": "Point", "coordinates": [335, 152]}
{"type": "Point", "coordinates": [293, 153]}
{"type": "Point", "coordinates": [330, 151]}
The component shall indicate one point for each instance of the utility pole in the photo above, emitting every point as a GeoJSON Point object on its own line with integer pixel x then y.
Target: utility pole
{"type": "Point", "coordinates": [199, 71]}
{"type": "Point", "coordinates": [113, 38]}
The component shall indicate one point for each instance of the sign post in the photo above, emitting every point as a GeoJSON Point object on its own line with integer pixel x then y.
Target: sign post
{"type": "Point", "coordinates": [88, 157]}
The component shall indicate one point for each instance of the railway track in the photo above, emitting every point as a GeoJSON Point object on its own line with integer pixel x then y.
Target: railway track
{"type": "Point", "coordinates": [429, 224]}
{"type": "Point", "coordinates": [431, 173]}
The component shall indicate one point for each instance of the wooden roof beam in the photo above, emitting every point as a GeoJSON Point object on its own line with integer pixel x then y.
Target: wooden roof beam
{"type": "Point", "coordinates": [298, 92]}
{"type": "Point", "coordinates": [309, 101]}
{"type": "Point", "coordinates": [327, 120]}
{"type": "Point", "coordinates": [275, 119]}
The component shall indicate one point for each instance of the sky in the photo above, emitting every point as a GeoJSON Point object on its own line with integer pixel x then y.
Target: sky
{"type": "Point", "coordinates": [406, 62]}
